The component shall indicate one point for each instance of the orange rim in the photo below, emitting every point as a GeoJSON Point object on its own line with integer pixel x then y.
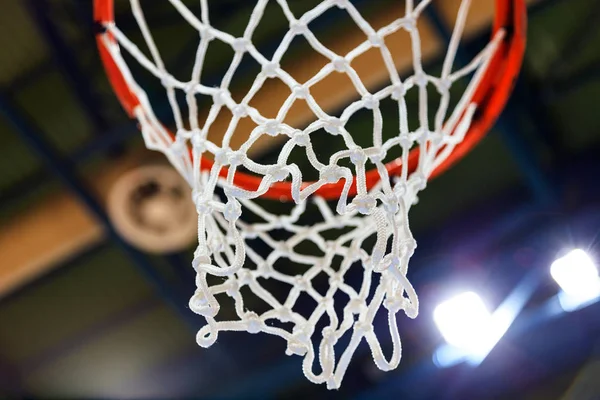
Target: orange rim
{"type": "Point", "coordinates": [491, 97]}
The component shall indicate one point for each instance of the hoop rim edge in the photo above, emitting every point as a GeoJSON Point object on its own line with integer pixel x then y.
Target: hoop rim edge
{"type": "Point", "coordinates": [491, 96]}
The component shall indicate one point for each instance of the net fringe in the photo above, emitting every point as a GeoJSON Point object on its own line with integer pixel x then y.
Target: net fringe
{"type": "Point", "coordinates": [381, 212]}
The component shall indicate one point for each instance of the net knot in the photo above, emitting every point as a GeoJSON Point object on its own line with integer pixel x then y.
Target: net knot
{"type": "Point", "coordinates": [356, 306]}
{"type": "Point", "coordinates": [264, 269]}
{"type": "Point", "coordinates": [370, 102]}
{"type": "Point", "coordinates": [444, 85]}
{"type": "Point", "coordinates": [284, 314]}
{"type": "Point", "coordinates": [376, 40]}
{"type": "Point", "coordinates": [331, 173]}
{"type": "Point", "coordinates": [198, 141]}
{"type": "Point", "coordinates": [342, 4]}
{"type": "Point", "coordinates": [358, 156]}
{"type": "Point", "coordinates": [405, 142]}
{"type": "Point", "coordinates": [419, 181]}
{"type": "Point", "coordinates": [240, 111]}
{"type": "Point", "coordinates": [392, 261]}
{"type": "Point", "coordinates": [390, 204]}
{"type": "Point", "coordinates": [436, 138]}
{"type": "Point", "coordinates": [233, 287]}
{"type": "Point", "coordinates": [253, 323]}
{"type": "Point", "coordinates": [298, 343]}
{"type": "Point", "coordinates": [190, 87]}
{"type": "Point", "coordinates": [178, 146]}
{"type": "Point", "coordinates": [300, 91]}
{"type": "Point", "coordinates": [340, 64]}
{"type": "Point", "coordinates": [409, 23]}
{"type": "Point", "coordinates": [302, 283]}
{"type": "Point", "coordinates": [421, 135]}
{"type": "Point", "coordinates": [200, 305]}
{"type": "Point", "coordinates": [298, 27]}
{"type": "Point", "coordinates": [407, 247]}
{"type": "Point", "coordinates": [240, 45]}
{"type": "Point", "coordinates": [232, 211]}
{"type": "Point", "coordinates": [244, 277]}
{"type": "Point", "coordinates": [420, 79]}
{"type": "Point", "coordinates": [333, 125]}
{"type": "Point", "coordinates": [168, 81]}
{"type": "Point", "coordinates": [377, 154]}
{"type": "Point", "coordinates": [327, 302]}
{"type": "Point", "coordinates": [398, 91]}
{"type": "Point", "coordinates": [362, 328]}
{"type": "Point", "coordinates": [400, 189]}
{"type": "Point", "coordinates": [235, 158]}
{"type": "Point", "coordinates": [200, 258]}
{"type": "Point", "coordinates": [284, 247]}
{"type": "Point", "coordinates": [221, 97]}
{"type": "Point", "coordinates": [270, 69]}
{"type": "Point", "coordinates": [395, 303]}
{"type": "Point", "coordinates": [272, 127]}
{"type": "Point", "coordinates": [223, 155]}
{"type": "Point", "coordinates": [335, 280]}
{"type": "Point", "coordinates": [216, 245]}
{"type": "Point", "coordinates": [206, 33]}
{"type": "Point", "coordinates": [328, 334]}
{"type": "Point", "coordinates": [203, 206]}
{"type": "Point", "coordinates": [278, 172]}
{"type": "Point", "coordinates": [233, 191]}
{"type": "Point", "coordinates": [301, 138]}
{"type": "Point", "coordinates": [364, 203]}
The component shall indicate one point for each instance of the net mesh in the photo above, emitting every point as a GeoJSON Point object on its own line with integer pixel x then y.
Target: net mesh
{"type": "Point", "coordinates": [368, 229]}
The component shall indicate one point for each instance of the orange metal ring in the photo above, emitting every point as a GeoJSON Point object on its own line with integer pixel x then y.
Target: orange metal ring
{"type": "Point", "coordinates": [491, 97]}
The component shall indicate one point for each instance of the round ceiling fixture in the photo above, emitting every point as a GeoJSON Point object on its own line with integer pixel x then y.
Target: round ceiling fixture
{"type": "Point", "coordinates": [151, 208]}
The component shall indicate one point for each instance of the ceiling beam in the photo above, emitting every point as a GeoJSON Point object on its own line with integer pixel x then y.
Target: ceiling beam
{"type": "Point", "coordinates": [56, 228]}
{"type": "Point", "coordinates": [42, 237]}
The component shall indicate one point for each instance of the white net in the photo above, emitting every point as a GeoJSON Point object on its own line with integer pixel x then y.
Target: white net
{"type": "Point", "coordinates": [368, 230]}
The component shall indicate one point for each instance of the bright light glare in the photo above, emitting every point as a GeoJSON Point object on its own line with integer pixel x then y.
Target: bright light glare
{"type": "Point", "coordinates": [479, 341]}
{"type": "Point", "coordinates": [576, 275]}
{"type": "Point", "coordinates": [465, 322]}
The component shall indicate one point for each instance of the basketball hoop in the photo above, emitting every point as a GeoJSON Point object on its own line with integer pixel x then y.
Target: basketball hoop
{"type": "Point", "coordinates": [367, 228]}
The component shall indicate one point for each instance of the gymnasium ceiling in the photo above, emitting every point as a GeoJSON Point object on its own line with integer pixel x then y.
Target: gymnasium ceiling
{"type": "Point", "coordinates": [84, 314]}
